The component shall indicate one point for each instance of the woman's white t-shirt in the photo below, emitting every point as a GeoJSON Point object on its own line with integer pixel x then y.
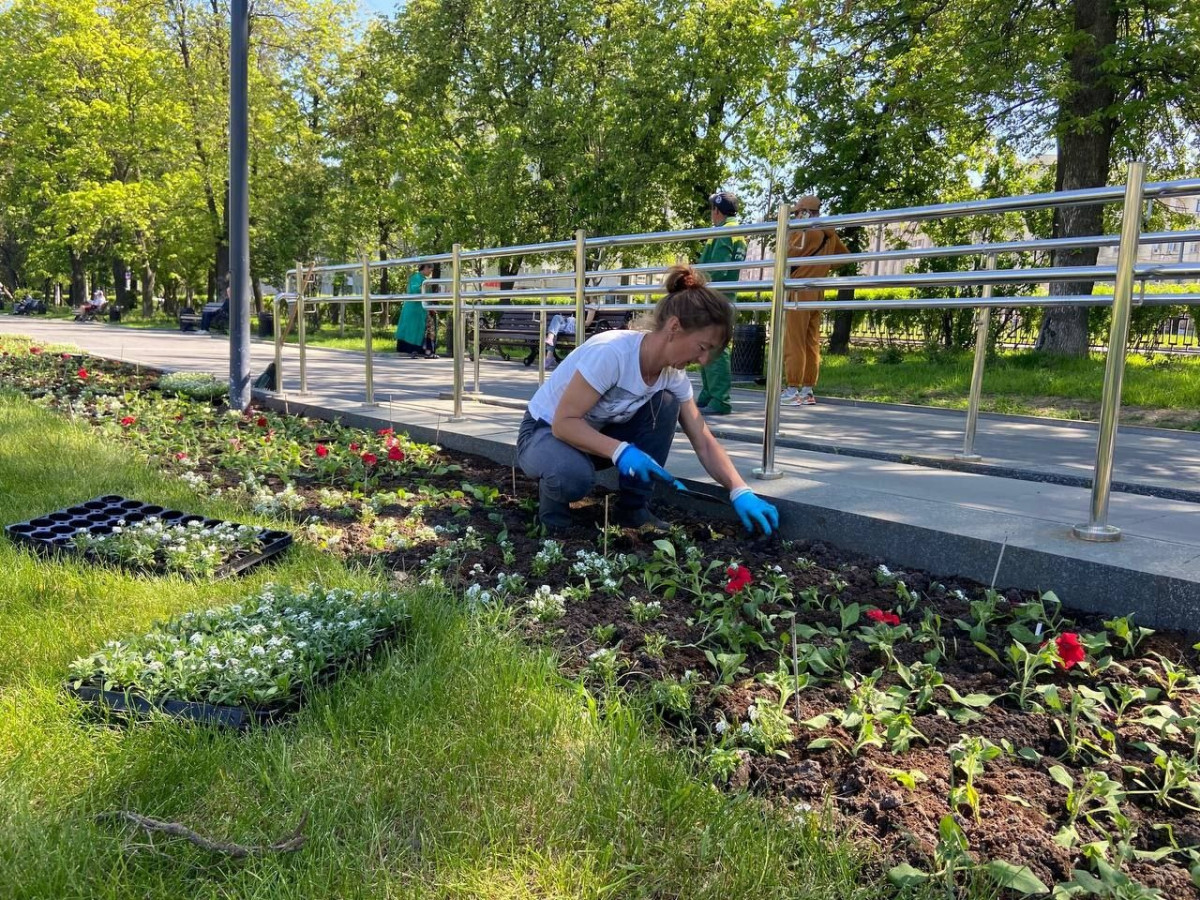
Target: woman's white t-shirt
{"type": "Point", "coordinates": [610, 363]}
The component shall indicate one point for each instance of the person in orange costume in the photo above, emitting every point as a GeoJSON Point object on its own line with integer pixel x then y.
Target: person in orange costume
{"type": "Point", "coordinates": [802, 327]}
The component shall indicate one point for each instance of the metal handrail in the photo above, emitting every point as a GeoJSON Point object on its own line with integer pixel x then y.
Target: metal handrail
{"type": "Point", "coordinates": [574, 286]}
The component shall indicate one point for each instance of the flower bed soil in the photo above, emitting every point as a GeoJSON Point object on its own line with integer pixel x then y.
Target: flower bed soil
{"type": "Point", "coordinates": [53, 532]}
{"type": "Point", "coordinates": [900, 801]}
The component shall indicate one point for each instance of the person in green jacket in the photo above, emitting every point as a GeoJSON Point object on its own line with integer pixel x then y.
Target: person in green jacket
{"type": "Point", "coordinates": [413, 335]}
{"type": "Point", "coordinates": [715, 379]}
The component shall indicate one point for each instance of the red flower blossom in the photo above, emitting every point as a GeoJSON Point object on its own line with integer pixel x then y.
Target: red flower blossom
{"type": "Point", "coordinates": [322, 451]}
{"type": "Point", "coordinates": [127, 421]}
{"type": "Point", "coordinates": [739, 577]}
{"type": "Point", "coordinates": [353, 447]}
{"type": "Point", "coordinates": [35, 350]}
{"type": "Point", "coordinates": [880, 615]}
{"type": "Point", "coordinates": [83, 373]}
{"type": "Point", "coordinates": [261, 421]}
{"type": "Point", "coordinates": [1070, 651]}
{"type": "Point", "coordinates": [64, 356]}
{"type": "Point", "coordinates": [370, 459]}
{"type": "Point", "coordinates": [384, 432]}
{"type": "Point", "coordinates": [181, 456]}
{"type": "Point", "coordinates": [396, 454]}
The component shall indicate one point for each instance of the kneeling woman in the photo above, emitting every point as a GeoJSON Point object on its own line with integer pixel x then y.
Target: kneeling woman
{"type": "Point", "coordinates": [616, 400]}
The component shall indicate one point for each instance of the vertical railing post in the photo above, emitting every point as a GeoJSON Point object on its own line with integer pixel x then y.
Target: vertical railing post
{"type": "Point", "coordinates": [580, 286]}
{"type": "Point", "coordinates": [369, 367]}
{"type": "Point", "coordinates": [541, 347]}
{"type": "Point", "coordinates": [775, 354]}
{"type": "Point", "coordinates": [281, 310]}
{"type": "Point", "coordinates": [456, 317]}
{"type": "Point", "coordinates": [300, 324]}
{"type": "Point", "coordinates": [1097, 527]}
{"type": "Point", "coordinates": [475, 347]}
{"type": "Point", "coordinates": [982, 326]}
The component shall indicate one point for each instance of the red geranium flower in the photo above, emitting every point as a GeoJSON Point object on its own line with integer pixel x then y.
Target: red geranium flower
{"type": "Point", "coordinates": [370, 459]}
{"type": "Point", "coordinates": [83, 373]}
{"type": "Point", "coordinates": [322, 451]}
{"type": "Point", "coordinates": [127, 421]}
{"type": "Point", "coordinates": [880, 615]}
{"type": "Point", "coordinates": [261, 421]}
{"type": "Point", "coordinates": [739, 577]}
{"type": "Point", "coordinates": [396, 454]}
{"type": "Point", "coordinates": [35, 350]}
{"type": "Point", "coordinates": [1070, 651]}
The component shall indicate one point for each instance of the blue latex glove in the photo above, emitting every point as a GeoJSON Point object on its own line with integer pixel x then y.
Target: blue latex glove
{"type": "Point", "coordinates": [754, 510]}
{"type": "Point", "coordinates": [633, 463]}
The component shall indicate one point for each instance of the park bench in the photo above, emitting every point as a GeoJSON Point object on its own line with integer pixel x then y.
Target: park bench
{"type": "Point", "coordinates": [87, 313]}
{"type": "Point", "coordinates": [520, 328]}
{"type": "Point", "coordinates": [190, 320]}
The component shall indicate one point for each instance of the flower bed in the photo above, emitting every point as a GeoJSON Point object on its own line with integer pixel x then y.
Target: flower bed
{"type": "Point", "coordinates": [966, 732]}
{"type": "Point", "coordinates": [148, 538]}
{"type": "Point", "coordinates": [247, 662]}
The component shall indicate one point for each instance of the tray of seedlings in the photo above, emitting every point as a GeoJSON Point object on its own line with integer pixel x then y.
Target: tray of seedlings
{"type": "Point", "coordinates": [252, 663]}
{"type": "Point", "coordinates": [149, 538]}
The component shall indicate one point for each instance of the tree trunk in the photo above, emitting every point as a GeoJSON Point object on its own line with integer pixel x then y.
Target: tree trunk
{"type": "Point", "coordinates": [148, 279]}
{"type": "Point", "coordinates": [843, 325]}
{"type": "Point", "coordinates": [79, 292]}
{"type": "Point", "coordinates": [118, 272]}
{"type": "Point", "coordinates": [1085, 135]}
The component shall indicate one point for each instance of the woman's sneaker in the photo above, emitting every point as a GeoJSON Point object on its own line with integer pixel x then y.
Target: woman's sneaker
{"type": "Point", "coordinates": [805, 397]}
{"type": "Point", "coordinates": [789, 395]}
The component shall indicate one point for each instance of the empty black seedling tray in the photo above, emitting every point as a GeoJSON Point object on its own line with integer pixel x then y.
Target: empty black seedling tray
{"type": "Point", "coordinates": [52, 532]}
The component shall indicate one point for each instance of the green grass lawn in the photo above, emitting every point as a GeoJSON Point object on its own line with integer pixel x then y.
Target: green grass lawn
{"type": "Point", "coordinates": [458, 764]}
{"type": "Point", "coordinates": [1162, 391]}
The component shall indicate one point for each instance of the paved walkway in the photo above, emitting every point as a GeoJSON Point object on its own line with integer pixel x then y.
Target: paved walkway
{"type": "Point", "coordinates": [948, 521]}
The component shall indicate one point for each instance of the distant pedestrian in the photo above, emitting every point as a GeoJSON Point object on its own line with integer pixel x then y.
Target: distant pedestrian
{"type": "Point", "coordinates": [715, 378]}
{"type": "Point", "coordinates": [802, 327]}
{"type": "Point", "coordinates": [414, 334]}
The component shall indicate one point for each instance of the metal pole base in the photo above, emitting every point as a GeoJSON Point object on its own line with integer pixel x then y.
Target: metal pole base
{"type": "Point", "coordinates": [968, 457]}
{"type": "Point", "coordinates": [372, 403]}
{"type": "Point", "coordinates": [763, 475]}
{"type": "Point", "coordinates": [457, 419]}
{"type": "Point", "coordinates": [1102, 534]}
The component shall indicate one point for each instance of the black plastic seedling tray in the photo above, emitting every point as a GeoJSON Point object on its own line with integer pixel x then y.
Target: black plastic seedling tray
{"type": "Point", "coordinates": [52, 532]}
{"type": "Point", "coordinates": [132, 706]}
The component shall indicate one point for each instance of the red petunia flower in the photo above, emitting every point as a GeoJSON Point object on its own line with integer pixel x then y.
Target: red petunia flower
{"type": "Point", "coordinates": [35, 350]}
{"type": "Point", "coordinates": [1070, 651]}
{"type": "Point", "coordinates": [353, 447]}
{"type": "Point", "coordinates": [322, 451]}
{"type": "Point", "coordinates": [370, 459]}
{"type": "Point", "coordinates": [739, 577]}
{"type": "Point", "coordinates": [64, 356]}
{"type": "Point", "coordinates": [384, 432]}
{"type": "Point", "coordinates": [127, 421]}
{"type": "Point", "coordinates": [396, 454]}
{"type": "Point", "coordinates": [261, 421]}
{"type": "Point", "coordinates": [880, 615]}
{"type": "Point", "coordinates": [83, 373]}
{"type": "Point", "coordinates": [181, 456]}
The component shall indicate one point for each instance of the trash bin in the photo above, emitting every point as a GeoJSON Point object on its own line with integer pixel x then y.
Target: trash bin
{"type": "Point", "coordinates": [749, 348]}
{"type": "Point", "coordinates": [266, 325]}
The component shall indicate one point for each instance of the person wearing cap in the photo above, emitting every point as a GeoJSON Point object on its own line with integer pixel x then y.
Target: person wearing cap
{"type": "Point", "coordinates": [715, 380]}
{"type": "Point", "coordinates": [802, 327]}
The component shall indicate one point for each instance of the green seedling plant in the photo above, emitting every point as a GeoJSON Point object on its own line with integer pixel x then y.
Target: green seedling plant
{"type": "Point", "coordinates": [983, 612]}
{"type": "Point", "coordinates": [883, 638]}
{"type": "Point", "coordinates": [1079, 718]}
{"type": "Point", "coordinates": [654, 644]}
{"type": "Point", "coordinates": [1174, 679]}
{"type": "Point", "coordinates": [728, 666]}
{"type": "Point", "coordinates": [1092, 795]}
{"type": "Point", "coordinates": [1027, 665]}
{"type": "Point", "coordinates": [952, 863]}
{"type": "Point", "coordinates": [967, 758]}
{"type": "Point", "coordinates": [1033, 618]}
{"type": "Point", "coordinates": [1178, 781]}
{"type": "Point", "coordinates": [1124, 698]}
{"type": "Point", "coordinates": [1128, 634]}
{"type": "Point", "coordinates": [603, 634]}
{"type": "Point", "coordinates": [930, 632]}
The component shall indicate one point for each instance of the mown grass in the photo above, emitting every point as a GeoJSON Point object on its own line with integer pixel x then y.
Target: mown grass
{"type": "Point", "coordinates": [457, 764]}
{"type": "Point", "coordinates": [1157, 391]}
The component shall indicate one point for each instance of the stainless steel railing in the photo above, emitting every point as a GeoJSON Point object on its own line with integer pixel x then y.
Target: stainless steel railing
{"type": "Point", "coordinates": [469, 293]}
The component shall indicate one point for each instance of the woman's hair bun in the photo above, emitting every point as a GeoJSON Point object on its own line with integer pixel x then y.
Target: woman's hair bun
{"type": "Point", "coordinates": [683, 278]}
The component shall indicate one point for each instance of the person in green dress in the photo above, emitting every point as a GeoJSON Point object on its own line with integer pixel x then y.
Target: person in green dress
{"type": "Point", "coordinates": [715, 377]}
{"type": "Point", "coordinates": [413, 334]}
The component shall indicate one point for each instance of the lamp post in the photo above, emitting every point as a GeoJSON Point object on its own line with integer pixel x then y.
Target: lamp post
{"type": "Point", "coordinates": [239, 206]}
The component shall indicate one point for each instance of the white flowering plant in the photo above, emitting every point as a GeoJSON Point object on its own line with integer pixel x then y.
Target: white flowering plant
{"type": "Point", "coordinates": [259, 653]}
{"type": "Point", "coordinates": [188, 549]}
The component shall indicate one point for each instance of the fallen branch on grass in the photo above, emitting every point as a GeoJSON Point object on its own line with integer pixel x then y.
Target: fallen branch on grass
{"type": "Point", "coordinates": [236, 851]}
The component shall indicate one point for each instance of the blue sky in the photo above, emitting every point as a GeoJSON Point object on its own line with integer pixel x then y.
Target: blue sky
{"type": "Point", "coordinates": [371, 7]}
